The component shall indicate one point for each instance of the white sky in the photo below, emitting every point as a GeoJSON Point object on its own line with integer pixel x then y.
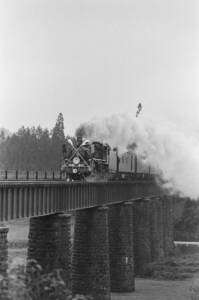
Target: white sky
{"type": "Point", "coordinates": [89, 58]}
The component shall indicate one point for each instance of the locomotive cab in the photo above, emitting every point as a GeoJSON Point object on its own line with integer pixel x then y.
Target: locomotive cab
{"type": "Point", "coordinates": [100, 157]}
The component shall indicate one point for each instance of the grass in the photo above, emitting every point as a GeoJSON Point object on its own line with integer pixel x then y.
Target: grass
{"type": "Point", "coordinates": [173, 268]}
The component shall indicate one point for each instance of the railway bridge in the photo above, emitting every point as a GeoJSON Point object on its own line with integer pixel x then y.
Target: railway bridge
{"type": "Point", "coordinates": [119, 227]}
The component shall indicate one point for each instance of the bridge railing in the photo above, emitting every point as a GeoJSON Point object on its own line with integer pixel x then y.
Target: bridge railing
{"type": "Point", "coordinates": [27, 199]}
{"type": "Point", "coordinates": [31, 175]}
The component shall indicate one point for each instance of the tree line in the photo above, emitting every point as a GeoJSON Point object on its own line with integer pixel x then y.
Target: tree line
{"type": "Point", "coordinates": [186, 228]}
{"type": "Point", "coordinates": [33, 148]}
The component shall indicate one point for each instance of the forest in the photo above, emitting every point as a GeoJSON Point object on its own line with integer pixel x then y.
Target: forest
{"type": "Point", "coordinates": [33, 148]}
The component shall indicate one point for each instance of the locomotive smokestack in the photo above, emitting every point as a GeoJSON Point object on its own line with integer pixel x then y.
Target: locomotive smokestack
{"type": "Point", "coordinates": [79, 140]}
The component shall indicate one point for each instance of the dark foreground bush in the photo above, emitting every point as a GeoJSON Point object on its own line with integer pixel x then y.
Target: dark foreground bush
{"type": "Point", "coordinates": [32, 284]}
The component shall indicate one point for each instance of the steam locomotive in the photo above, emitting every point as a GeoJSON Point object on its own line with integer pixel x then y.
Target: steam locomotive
{"type": "Point", "coordinates": [85, 160]}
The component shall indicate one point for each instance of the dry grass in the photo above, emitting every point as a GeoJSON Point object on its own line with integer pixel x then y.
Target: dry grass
{"type": "Point", "coordinates": [174, 268]}
{"type": "Point", "coordinates": [150, 289]}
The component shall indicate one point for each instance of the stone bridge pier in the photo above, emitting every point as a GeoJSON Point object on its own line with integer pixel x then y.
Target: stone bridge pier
{"type": "Point", "coordinates": [3, 262]}
{"type": "Point", "coordinates": [49, 244]}
{"type": "Point", "coordinates": [110, 245]}
{"type": "Point", "coordinates": [121, 247]}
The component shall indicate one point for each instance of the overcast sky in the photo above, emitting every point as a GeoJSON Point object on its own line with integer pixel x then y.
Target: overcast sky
{"type": "Point", "coordinates": [89, 58]}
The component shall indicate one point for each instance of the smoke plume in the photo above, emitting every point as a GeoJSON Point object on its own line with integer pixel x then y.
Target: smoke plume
{"type": "Point", "coordinates": [175, 154]}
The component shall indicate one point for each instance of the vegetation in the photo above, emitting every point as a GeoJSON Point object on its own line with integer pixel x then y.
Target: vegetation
{"type": "Point", "coordinates": [187, 226]}
{"type": "Point", "coordinates": [32, 284]}
{"type": "Point", "coordinates": [178, 267]}
{"type": "Point", "coordinates": [33, 148]}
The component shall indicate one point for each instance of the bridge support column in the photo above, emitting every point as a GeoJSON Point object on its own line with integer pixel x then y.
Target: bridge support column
{"type": "Point", "coordinates": [3, 262]}
{"type": "Point", "coordinates": [156, 224]}
{"type": "Point", "coordinates": [3, 251]}
{"type": "Point", "coordinates": [167, 203]}
{"type": "Point", "coordinates": [121, 247]}
{"type": "Point", "coordinates": [90, 265]}
{"type": "Point", "coordinates": [142, 235]}
{"type": "Point", "coordinates": [160, 226]}
{"type": "Point", "coordinates": [49, 243]}
{"type": "Point", "coordinates": [171, 226]}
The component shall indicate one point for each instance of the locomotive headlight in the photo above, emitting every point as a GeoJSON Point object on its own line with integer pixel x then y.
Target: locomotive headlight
{"type": "Point", "coordinates": [74, 171]}
{"type": "Point", "coordinates": [76, 160]}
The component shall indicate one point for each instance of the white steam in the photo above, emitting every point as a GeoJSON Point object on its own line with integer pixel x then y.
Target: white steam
{"type": "Point", "coordinates": [171, 151]}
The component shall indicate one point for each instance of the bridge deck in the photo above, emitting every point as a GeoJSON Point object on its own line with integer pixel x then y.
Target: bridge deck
{"type": "Point", "coordinates": [20, 199]}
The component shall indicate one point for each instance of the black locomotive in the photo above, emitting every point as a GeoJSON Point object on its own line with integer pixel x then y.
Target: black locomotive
{"type": "Point", "coordinates": [85, 160]}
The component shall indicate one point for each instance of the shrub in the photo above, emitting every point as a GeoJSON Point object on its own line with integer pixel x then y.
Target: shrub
{"type": "Point", "coordinates": [32, 284]}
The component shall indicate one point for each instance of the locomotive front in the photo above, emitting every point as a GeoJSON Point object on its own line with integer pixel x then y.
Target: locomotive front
{"type": "Point", "coordinates": [76, 159]}
{"type": "Point", "coordinates": [82, 159]}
